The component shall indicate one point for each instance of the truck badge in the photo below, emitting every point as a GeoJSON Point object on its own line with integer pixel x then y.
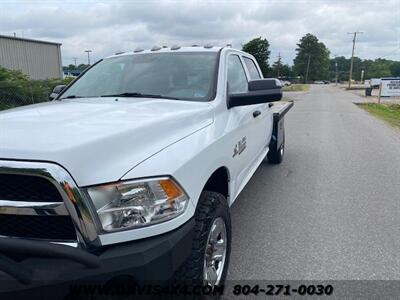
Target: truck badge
{"type": "Point", "coordinates": [239, 147]}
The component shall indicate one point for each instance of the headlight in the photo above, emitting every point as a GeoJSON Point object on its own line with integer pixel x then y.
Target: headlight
{"type": "Point", "coordinates": [126, 205]}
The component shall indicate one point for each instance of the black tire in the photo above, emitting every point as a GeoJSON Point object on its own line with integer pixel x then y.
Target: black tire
{"type": "Point", "coordinates": [275, 154]}
{"type": "Point", "coordinates": [211, 206]}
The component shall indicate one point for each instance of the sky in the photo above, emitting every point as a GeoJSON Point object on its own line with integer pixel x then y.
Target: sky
{"type": "Point", "coordinates": [107, 27]}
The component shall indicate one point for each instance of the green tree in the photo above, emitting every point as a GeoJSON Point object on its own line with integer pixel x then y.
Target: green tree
{"type": "Point", "coordinates": [280, 70]}
{"type": "Point", "coordinates": [309, 49]}
{"type": "Point", "coordinates": [277, 68]}
{"type": "Point", "coordinates": [372, 68]}
{"type": "Point", "coordinates": [395, 69]}
{"type": "Point", "coordinates": [259, 48]}
{"type": "Point", "coordinates": [69, 67]}
{"type": "Point", "coordinates": [12, 75]}
{"type": "Point", "coordinates": [367, 64]}
{"type": "Point", "coordinates": [343, 67]}
{"type": "Point", "coordinates": [72, 67]}
{"type": "Point", "coordinates": [82, 67]}
{"type": "Point", "coordinates": [380, 68]}
{"type": "Point", "coordinates": [286, 71]}
{"type": "Point", "coordinates": [357, 68]}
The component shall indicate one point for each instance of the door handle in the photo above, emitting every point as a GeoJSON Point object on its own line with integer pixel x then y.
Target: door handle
{"type": "Point", "coordinates": [256, 113]}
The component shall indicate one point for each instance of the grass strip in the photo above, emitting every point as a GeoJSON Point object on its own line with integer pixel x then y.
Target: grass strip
{"type": "Point", "coordinates": [389, 113]}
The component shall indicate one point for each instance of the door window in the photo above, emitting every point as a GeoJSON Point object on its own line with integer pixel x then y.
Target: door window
{"type": "Point", "coordinates": [237, 81]}
{"type": "Point", "coordinates": [251, 66]}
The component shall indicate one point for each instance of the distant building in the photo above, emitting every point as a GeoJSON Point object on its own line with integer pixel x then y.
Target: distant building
{"type": "Point", "coordinates": [35, 58]}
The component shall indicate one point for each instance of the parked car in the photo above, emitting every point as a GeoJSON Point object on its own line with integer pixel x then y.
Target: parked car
{"type": "Point", "coordinates": [133, 167]}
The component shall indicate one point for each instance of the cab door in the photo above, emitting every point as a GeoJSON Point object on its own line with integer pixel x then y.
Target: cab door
{"type": "Point", "coordinates": [246, 124]}
{"type": "Point", "coordinates": [264, 121]}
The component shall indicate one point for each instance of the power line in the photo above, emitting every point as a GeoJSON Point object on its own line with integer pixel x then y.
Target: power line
{"type": "Point", "coordinates": [391, 52]}
{"type": "Point", "coordinates": [352, 54]}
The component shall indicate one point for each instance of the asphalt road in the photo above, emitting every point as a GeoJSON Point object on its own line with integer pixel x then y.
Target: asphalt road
{"type": "Point", "coordinates": [331, 210]}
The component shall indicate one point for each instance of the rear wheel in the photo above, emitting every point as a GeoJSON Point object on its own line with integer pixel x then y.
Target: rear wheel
{"type": "Point", "coordinates": [275, 154]}
{"type": "Point", "coordinates": [209, 260]}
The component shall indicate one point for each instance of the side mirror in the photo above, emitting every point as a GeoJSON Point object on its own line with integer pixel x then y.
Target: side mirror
{"type": "Point", "coordinates": [56, 91]}
{"type": "Point", "coordinates": [260, 91]}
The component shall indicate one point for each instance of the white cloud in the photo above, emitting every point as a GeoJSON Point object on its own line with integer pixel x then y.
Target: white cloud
{"type": "Point", "coordinates": [110, 26]}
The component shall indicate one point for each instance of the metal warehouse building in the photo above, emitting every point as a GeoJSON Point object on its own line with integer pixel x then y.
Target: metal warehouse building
{"type": "Point", "coordinates": [37, 59]}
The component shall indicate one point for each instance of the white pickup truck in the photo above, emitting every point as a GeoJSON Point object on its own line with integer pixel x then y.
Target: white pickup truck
{"type": "Point", "coordinates": [132, 168]}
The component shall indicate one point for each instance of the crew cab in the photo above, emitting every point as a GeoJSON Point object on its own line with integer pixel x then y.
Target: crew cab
{"type": "Point", "coordinates": [131, 168]}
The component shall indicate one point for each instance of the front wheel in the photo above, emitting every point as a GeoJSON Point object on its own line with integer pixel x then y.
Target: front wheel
{"type": "Point", "coordinates": [211, 246]}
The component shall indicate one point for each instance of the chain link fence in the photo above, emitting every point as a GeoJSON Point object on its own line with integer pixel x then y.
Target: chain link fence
{"type": "Point", "coordinates": [13, 94]}
{"type": "Point", "coordinates": [18, 93]}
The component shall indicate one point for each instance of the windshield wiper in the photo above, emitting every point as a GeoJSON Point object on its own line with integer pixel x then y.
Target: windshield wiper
{"type": "Point", "coordinates": [71, 97]}
{"type": "Point", "coordinates": [140, 95]}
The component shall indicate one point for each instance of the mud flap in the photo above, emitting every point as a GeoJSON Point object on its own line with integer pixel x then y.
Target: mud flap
{"type": "Point", "coordinates": [277, 137]}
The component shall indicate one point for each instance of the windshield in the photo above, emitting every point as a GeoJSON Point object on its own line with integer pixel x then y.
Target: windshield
{"type": "Point", "coordinates": [180, 75]}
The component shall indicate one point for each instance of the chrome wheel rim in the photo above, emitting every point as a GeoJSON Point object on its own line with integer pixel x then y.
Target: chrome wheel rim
{"type": "Point", "coordinates": [282, 150]}
{"type": "Point", "coordinates": [215, 254]}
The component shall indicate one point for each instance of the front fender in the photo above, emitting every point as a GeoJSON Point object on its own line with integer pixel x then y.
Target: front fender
{"type": "Point", "coordinates": [191, 162]}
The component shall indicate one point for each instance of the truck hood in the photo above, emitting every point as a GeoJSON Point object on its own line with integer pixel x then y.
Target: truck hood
{"type": "Point", "coordinates": [98, 139]}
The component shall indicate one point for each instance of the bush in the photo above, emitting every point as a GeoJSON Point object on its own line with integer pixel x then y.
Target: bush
{"type": "Point", "coordinates": [17, 89]}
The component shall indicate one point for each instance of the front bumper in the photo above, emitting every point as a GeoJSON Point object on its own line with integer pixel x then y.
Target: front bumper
{"type": "Point", "coordinates": [32, 266]}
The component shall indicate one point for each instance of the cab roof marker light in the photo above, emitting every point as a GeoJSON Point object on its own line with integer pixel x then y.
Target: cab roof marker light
{"type": "Point", "coordinates": [138, 50]}
{"type": "Point", "coordinates": [208, 46]}
{"type": "Point", "coordinates": [155, 48]}
{"type": "Point", "coordinates": [175, 47]}
{"type": "Point", "coordinates": [118, 53]}
{"type": "Point", "coordinates": [195, 45]}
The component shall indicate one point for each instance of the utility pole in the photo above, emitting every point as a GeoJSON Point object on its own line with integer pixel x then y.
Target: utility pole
{"type": "Point", "coordinates": [352, 54]}
{"type": "Point", "coordinates": [336, 74]}
{"type": "Point", "coordinates": [308, 66]}
{"type": "Point", "coordinates": [74, 59]}
{"type": "Point", "coordinates": [88, 56]}
{"type": "Point", "coordinates": [336, 70]}
{"type": "Point", "coordinates": [279, 63]}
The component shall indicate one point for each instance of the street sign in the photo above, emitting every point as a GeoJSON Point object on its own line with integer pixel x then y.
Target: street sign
{"type": "Point", "coordinates": [390, 87]}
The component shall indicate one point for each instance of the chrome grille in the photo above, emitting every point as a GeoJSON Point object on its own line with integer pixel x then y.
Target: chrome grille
{"type": "Point", "coordinates": [28, 189]}
{"type": "Point", "coordinates": [41, 200]}
{"type": "Point", "coordinates": [32, 207]}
